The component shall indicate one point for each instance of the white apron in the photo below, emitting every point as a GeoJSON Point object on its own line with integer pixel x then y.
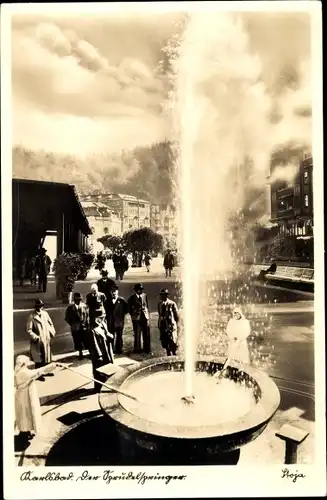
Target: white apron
{"type": "Point", "coordinates": [238, 331]}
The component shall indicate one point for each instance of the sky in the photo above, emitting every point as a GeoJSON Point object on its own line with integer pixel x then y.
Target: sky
{"type": "Point", "coordinates": [85, 84]}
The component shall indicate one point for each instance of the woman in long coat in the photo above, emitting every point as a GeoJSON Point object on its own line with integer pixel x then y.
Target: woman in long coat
{"type": "Point", "coordinates": [40, 329]}
{"type": "Point", "coordinates": [238, 330]}
{"type": "Point", "coordinates": [27, 403]}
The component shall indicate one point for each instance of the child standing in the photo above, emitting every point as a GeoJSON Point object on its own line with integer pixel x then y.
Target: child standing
{"type": "Point", "coordinates": [27, 403]}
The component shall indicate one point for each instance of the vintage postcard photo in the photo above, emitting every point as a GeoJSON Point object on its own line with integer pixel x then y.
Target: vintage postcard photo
{"type": "Point", "coordinates": [163, 250]}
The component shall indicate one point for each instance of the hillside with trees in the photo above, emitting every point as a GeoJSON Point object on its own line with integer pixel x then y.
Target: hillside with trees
{"type": "Point", "coordinates": [144, 172]}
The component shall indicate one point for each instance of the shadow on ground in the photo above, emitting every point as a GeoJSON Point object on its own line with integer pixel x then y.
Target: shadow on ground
{"type": "Point", "coordinates": [95, 443]}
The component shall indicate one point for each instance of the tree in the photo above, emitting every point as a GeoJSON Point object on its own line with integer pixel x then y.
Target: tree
{"type": "Point", "coordinates": [112, 242]}
{"type": "Point", "coordinates": [142, 240]}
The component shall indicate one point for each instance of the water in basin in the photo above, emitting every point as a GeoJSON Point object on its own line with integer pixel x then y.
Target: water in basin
{"type": "Point", "coordinates": [161, 394]}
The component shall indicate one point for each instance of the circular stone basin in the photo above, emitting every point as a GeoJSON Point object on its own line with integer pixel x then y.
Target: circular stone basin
{"type": "Point", "coordinates": [225, 414]}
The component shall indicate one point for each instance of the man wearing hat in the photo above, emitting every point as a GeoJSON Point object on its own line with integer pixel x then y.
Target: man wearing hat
{"type": "Point", "coordinates": [96, 302]}
{"type": "Point", "coordinates": [139, 310]}
{"type": "Point", "coordinates": [40, 329]}
{"type": "Point", "coordinates": [167, 322]}
{"type": "Point", "coordinates": [105, 283]}
{"type": "Point", "coordinates": [116, 310]}
{"type": "Point", "coordinates": [77, 317]}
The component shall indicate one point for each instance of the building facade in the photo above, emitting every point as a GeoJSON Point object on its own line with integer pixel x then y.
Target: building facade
{"type": "Point", "coordinates": [102, 220]}
{"type": "Point", "coordinates": [292, 205]}
{"type": "Point", "coordinates": [163, 221]}
{"type": "Point", "coordinates": [133, 212]}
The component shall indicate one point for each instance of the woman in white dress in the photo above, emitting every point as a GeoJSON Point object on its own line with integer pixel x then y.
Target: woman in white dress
{"type": "Point", "coordinates": [27, 403]}
{"type": "Point", "coordinates": [238, 330]}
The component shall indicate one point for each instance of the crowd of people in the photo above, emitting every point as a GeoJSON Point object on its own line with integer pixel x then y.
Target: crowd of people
{"type": "Point", "coordinates": [97, 326]}
{"type": "Point", "coordinates": [36, 269]}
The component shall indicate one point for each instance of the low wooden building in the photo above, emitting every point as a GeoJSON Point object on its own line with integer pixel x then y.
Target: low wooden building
{"type": "Point", "coordinates": [40, 208]}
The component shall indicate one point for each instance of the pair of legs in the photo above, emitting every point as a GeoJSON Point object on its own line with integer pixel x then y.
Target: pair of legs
{"type": "Point", "coordinates": [168, 272]}
{"type": "Point", "coordinates": [167, 342]}
{"type": "Point", "coordinates": [141, 328]}
{"type": "Point", "coordinates": [43, 281]}
{"type": "Point", "coordinates": [148, 268]}
{"type": "Point", "coordinates": [79, 339]}
{"type": "Point", "coordinates": [118, 340]}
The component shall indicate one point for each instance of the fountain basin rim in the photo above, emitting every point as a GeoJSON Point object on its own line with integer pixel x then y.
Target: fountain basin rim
{"type": "Point", "coordinates": [258, 417]}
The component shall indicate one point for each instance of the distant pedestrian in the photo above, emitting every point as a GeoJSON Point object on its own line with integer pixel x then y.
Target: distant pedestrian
{"type": "Point", "coordinates": [41, 330]}
{"type": "Point", "coordinates": [116, 310]}
{"type": "Point", "coordinates": [23, 271]}
{"type": "Point", "coordinates": [167, 322]}
{"type": "Point", "coordinates": [139, 311]}
{"type": "Point", "coordinates": [77, 316]}
{"type": "Point", "coordinates": [116, 259]}
{"type": "Point", "coordinates": [43, 267]}
{"type": "Point", "coordinates": [96, 301]}
{"type": "Point", "coordinates": [147, 261]}
{"type": "Point", "coordinates": [169, 263]}
{"type": "Point", "coordinates": [32, 271]}
{"type": "Point", "coordinates": [124, 264]}
{"type": "Point", "coordinates": [27, 403]}
{"type": "Point", "coordinates": [238, 330]}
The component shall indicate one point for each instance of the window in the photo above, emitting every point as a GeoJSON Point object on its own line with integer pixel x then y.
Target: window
{"type": "Point", "coordinates": [297, 190]}
{"type": "Point", "coordinates": [306, 177]}
{"type": "Point", "coordinates": [306, 200]}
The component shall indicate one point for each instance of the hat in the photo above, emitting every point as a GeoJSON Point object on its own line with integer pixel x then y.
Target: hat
{"type": "Point", "coordinates": [38, 302]}
{"type": "Point", "coordinates": [138, 286]}
{"type": "Point", "coordinates": [238, 310]}
{"type": "Point", "coordinates": [104, 272]}
{"type": "Point", "coordinates": [114, 287]}
{"type": "Point", "coordinates": [164, 291]}
{"type": "Point", "coordinates": [77, 295]}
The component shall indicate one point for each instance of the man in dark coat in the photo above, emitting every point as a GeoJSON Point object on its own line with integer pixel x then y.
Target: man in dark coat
{"type": "Point", "coordinates": [168, 263]}
{"type": "Point", "coordinates": [105, 283]}
{"type": "Point", "coordinates": [124, 265]}
{"type": "Point", "coordinates": [77, 317]}
{"type": "Point", "coordinates": [116, 259]}
{"type": "Point", "coordinates": [116, 310]}
{"type": "Point", "coordinates": [167, 322]}
{"type": "Point", "coordinates": [100, 346]}
{"type": "Point", "coordinates": [99, 339]}
{"type": "Point", "coordinates": [139, 310]}
{"type": "Point", "coordinates": [43, 266]}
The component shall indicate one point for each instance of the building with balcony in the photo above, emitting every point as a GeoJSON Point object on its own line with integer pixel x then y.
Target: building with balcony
{"type": "Point", "coordinates": [133, 212]}
{"type": "Point", "coordinates": [292, 203]}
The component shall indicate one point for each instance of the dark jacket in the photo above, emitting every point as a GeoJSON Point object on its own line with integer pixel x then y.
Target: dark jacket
{"type": "Point", "coordinates": [116, 313]}
{"type": "Point", "coordinates": [169, 261]}
{"type": "Point", "coordinates": [78, 319]}
{"type": "Point", "coordinates": [43, 264]}
{"type": "Point", "coordinates": [138, 305]}
{"type": "Point", "coordinates": [104, 285]}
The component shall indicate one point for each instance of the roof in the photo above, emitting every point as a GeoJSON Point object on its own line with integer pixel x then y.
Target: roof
{"type": "Point", "coordinates": [126, 197]}
{"type": "Point", "coordinates": [96, 209]}
{"type": "Point", "coordinates": [70, 190]}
